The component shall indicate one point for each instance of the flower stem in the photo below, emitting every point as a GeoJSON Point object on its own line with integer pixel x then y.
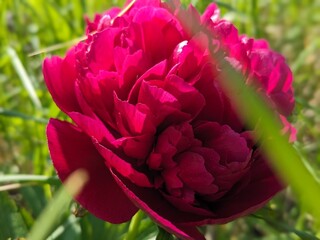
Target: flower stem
{"type": "Point", "coordinates": [134, 226]}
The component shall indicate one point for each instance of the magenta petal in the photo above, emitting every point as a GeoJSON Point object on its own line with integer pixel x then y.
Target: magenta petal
{"type": "Point", "coordinates": [191, 100]}
{"type": "Point", "coordinates": [93, 127]}
{"type": "Point", "coordinates": [133, 66]}
{"type": "Point", "coordinates": [151, 201]}
{"type": "Point", "coordinates": [288, 129]}
{"type": "Point", "coordinates": [60, 75]}
{"type": "Point", "coordinates": [70, 150]}
{"type": "Point", "coordinates": [161, 102]}
{"type": "Point", "coordinates": [158, 71]}
{"type": "Point", "coordinates": [101, 55]}
{"type": "Point", "coordinates": [146, 20]}
{"type": "Point", "coordinates": [132, 120]}
{"type": "Point", "coordinates": [212, 13]}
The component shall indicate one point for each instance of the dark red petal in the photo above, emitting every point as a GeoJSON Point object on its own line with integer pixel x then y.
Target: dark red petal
{"type": "Point", "coordinates": [60, 76]}
{"type": "Point", "coordinates": [185, 206]}
{"type": "Point", "coordinates": [260, 185]}
{"type": "Point", "coordinates": [70, 150]}
{"type": "Point", "coordinates": [123, 167]}
{"type": "Point", "coordinates": [191, 100]}
{"type": "Point", "coordinates": [137, 147]}
{"type": "Point", "coordinates": [163, 213]}
{"type": "Point", "coordinates": [194, 174]}
{"type": "Point", "coordinates": [227, 143]}
{"type": "Point", "coordinates": [209, 88]}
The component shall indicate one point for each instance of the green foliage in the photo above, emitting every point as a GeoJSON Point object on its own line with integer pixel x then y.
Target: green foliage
{"type": "Point", "coordinates": [163, 235]}
{"type": "Point", "coordinates": [27, 179]}
{"type": "Point", "coordinates": [11, 217]}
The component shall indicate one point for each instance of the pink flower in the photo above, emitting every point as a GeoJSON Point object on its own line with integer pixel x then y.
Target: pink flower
{"type": "Point", "coordinates": [151, 124]}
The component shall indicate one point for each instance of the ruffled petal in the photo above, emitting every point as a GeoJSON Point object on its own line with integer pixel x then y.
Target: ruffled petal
{"type": "Point", "coordinates": [247, 197]}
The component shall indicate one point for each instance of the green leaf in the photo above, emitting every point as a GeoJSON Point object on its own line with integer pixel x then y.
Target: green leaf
{"type": "Point", "coordinates": [147, 230]}
{"type": "Point", "coordinates": [94, 228]}
{"type": "Point", "coordinates": [11, 221]}
{"type": "Point", "coordinates": [164, 235]}
{"type": "Point", "coordinates": [34, 199]}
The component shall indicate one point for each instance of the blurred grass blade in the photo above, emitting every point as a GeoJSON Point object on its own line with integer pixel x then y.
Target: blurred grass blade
{"type": "Point", "coordinates": [134, 226]}
{"type": "Point", "coordinates": [301, 59]}
{"type": "Point", "coordinates": [62, 228]}
{"type": "Point", "coordinates": [264, 214]}
{"type": "Point", "coordinates": [8, 187]}
{"type": "Point", "coordinates": [10, 113]}
{"type": "Point", "coordinates": [51, 214]}
{"type": "Point", "coordinates": [19, 178]}
{"type": "Point", "coordinates": [252, 110]}
{"type": "Point", "coordinates": [26, 81]}
{"type": "Point", "coordinates": [58, 46]}
{"type": "Point", "coordinates": [279, 151]}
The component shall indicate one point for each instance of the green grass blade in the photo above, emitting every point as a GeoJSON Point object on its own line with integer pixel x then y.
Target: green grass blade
{"type": "Point", "coordinates": [10, 113]}
{"type": "Point", "coordinates": [52, 213]}
{"type": "Point", "coordinates": [26, 81]}
{"type": "Point", "coordinates": [264, 214]}
{"type": "Point", "coordinates": [134, 226]}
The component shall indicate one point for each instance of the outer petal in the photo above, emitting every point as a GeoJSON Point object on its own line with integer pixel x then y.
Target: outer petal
{"type": "Point", "coordinates": [159, 210]}
{"type": "Point", "coordinates": [70, 150]}
{"type": "Point", "coordinates": [124, 167]}
{"type": "Point", "coordinates": [60, 75]}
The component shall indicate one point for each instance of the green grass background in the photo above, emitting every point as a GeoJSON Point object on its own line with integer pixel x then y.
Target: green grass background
{"type": "Point", "coordinates": [26, 26]}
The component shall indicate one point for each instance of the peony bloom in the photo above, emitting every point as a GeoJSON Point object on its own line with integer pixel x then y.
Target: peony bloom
{"type": "Point", "coordinates": [151, 124]}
